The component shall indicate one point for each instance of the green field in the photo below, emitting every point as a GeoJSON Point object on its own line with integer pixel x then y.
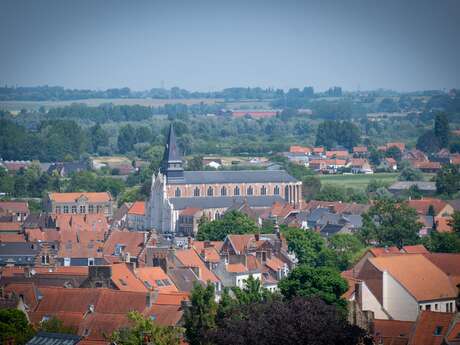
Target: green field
{"type": "Point", "coordinates": [361, 181]}
{"type": "Point", "coordinates": [357, 181]}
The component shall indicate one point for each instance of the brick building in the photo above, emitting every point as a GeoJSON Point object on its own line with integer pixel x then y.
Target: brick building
{"type": "Point", "coordinates": [79, 203]}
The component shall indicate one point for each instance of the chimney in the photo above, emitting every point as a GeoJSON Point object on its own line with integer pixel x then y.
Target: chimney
{"type": "Point", "coordinates": [257, 236]}
{"type": "Point", "coordinates": [151, 298]}
{"type": "Point", "coordinates": [189, 242]}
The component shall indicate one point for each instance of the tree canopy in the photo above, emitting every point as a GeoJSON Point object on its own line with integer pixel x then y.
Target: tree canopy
{"type": "Point", "coordinates": [233, 222]}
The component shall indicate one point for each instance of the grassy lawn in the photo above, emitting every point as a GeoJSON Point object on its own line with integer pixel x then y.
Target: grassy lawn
{"type": "Point", "coordinates": [357, 181]}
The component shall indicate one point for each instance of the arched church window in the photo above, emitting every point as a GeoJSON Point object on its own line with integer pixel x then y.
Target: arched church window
{"type": "Point", "coordinates": [236, 191]}
{"type": "Point", "coordinates": [250, 190]}
{"type": "Point", "coordinates": [177, 193]}
{"type": "Point", "coordinates": [277, 190]}
{"type": "Point", "coordinates": [223, 191]}
{"type": "Point", "coordinates": [286, 193]}
{"type": "Point", "coordinates": [196, 192]}
{"type": "Point", "coordinates": [210, 191]}
{"type": "Point", "coordinates": [263, 191]}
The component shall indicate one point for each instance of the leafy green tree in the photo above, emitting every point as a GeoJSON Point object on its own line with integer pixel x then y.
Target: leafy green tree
{"type": "Point", "coordinates": [410, 174]}
{"type": "Point", "coordinates": [143, 134]}
{"type": "Point", "coordinates": [428, 142]}
{"type": "Point", "coordinates": [394, 152]}
{"type": "Point", "coordinates": [347, 248]}
{"type": "Point", "coordinates": [390, 223]}
{"type": "Point", "coordinates": [455, 222]}
{"type": "Point", "coordinates": [146, 330]}
{"type": "Point", "coordinates": [98, 137]}
{"type": "Point", "coordinates": [448, 180]}
{"type": "Point", "coordinates": [252, 292]}
{"type": "Point", "coordinates": [441, 129]}
{"type": "Point", "coordinates": [195, 164]}
{"type": "Point", "coordinates": [324, 282]}
{"type": "Point", "coordinates": [311, 185]}
{"type": "Point", "coordinates": [200, 318]}
{"type": "Point", "coordinates": [14, 327]}
{"type": "Point", "coordinates": [309, 247]}
{"type": "Point", "coordinates": [330, 192]}
{"type": "Point", "coordinates": [232, 222]}
{"type": "Point", "coordinates": [332, 133]}
{"type": "Point", "coordinates": [55, 325]}
{"type": "Point", "coordinates": [126, 138]}
{"type": "Point", "coordinates": [438, 242]}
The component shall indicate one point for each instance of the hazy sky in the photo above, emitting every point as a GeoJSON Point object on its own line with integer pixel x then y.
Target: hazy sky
{"type": "Point", "coordinates": [398, 44]}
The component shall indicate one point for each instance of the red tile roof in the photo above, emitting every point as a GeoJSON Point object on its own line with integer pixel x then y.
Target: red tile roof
{"type": "Point", "coordinates": [392, 331]}
{"type": "Point", "coordinates": [10, 226]}
{"type": "Point", "coordinates": [422, 205]}
{"type": "Point", "coordinates": [14, 206]}
{"type": "Point", "coordinates": [137, 208]}
{"type": "Point", "coordinates": [426, 325]}
{"type": "Point", "coordinates": [274, 263]}
{"type": "Point", "coordinates": [299, 149]}
{"type": "Point", "coordinates": [417, 249]}
{"type": "Point", "coordinates": [339, 153]}
{"type": "Point", "coordinates": [359, 149]}
{"type": "Point", "coordinates": [190, 211]}
{"type": "Point", "coordinates": [236, 268]}
{"type": "Point", "coordinates": [132, 240]}
{"type": "Point", "coordinates": [12, 237]}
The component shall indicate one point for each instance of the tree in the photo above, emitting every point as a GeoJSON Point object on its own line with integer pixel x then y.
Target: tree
{"type": "Point", "coordinates": [146, 330]}
{"type": "Point", "coordinates": [309, 247]}
{"type": "Point", "coordinates": [195, 164]}
{"type": "Point", "coordinates": [252, 292]}
{"type": "Point", "coordinates": [54, 325]}
{"type": "Point", "coordinates": [448, 180]}
{"type": "Point", "coordinates": [311, 185]}
{"type": "Point", "coordinates": [455, 222]}
{"type": "Point", "coordinates": [410, 174]}
{"type": "Point", "coordinates": [332, 133]}
{"type": "Point", "coordinates": [297, 321]}
{"type": "Point", "coordinates": [394, 152]}
{"type": "Point", "coordinates": [98, 137]}
{"type": "Point", "coordinates": [324, 282]}
{"type": "Point", "coordinates": [200, 318]}
{"type": "Point", "coordinates": [347, 248]}
{"type": "Point", "coordinates": [232, 222]}
{"type": "Point", "coordinates": [390, 223]}
{"type": "Point", "coordinates": [441, 129]}
{"type": "Point", "coordinates": [442, 242]}
{"type": "Point", "coordinates": [428, 142]}
{"type": "Point", "coordinates": [14, 327]}
{"type": "Point", "coordinates": [126, 138]}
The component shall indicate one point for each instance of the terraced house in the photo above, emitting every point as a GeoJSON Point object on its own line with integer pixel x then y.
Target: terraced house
{"type": "Point", "coordinates": [79, 203]}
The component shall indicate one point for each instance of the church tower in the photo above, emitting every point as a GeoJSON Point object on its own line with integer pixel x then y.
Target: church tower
{"type": "Point", "coordinates": [172, 164]}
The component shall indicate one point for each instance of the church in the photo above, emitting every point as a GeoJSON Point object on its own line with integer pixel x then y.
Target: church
{"type": "Point", "coordinates": [175, 190]}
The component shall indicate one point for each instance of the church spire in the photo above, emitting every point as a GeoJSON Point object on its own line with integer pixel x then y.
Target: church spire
{"type": "Point", "coordinates": [172, 165]}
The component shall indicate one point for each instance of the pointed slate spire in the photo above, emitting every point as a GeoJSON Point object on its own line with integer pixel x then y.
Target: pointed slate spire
{"type": "Point", "coordinates": [172, 165]}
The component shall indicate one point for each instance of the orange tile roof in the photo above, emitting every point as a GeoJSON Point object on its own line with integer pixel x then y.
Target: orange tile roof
{"type": "Point", "coordinates": [15, 206]}
{"type": "Point", "coordinates": [425, 326]}
{"type": "Point", "coordinates": [380, 251]}
{"type": "Point", "coordinates": [427, 165]}
{"type": "Point", "coordinates": [236, 268]}
{"type": "Point", "coordinates": [125, 280]}
{"type": "Point", "coordinates": [72, 197]}
{"type": "Point", "coordinates": [12, 237]}
{"type": "Point", "coordinates": [299, 149]}
{"type": "Point", "coordinates": [274, 263]}
{"type": "Point", "coordinates": [165, 315]}
{"type": "Point", "coordinates": [422, 205]}
{"type": "Point", "coordinates": [454, 333]}
{"type": "Point", "coordinates": [10, 226]}
{"type": "Point", "coordinates": [132, 240]}
{"type": "Point", "coordinates": [359, 149]}
{"type": "Point", "coordinates": [392, 331]}
{"type": "Point", "coordinates": [318, 149]}
{"type": "Point", "coordinates": [390, 160]}
{"type": "Point", "coordinates": [190, 211]}
{"type": "Point", "coordinates": [199, 245]}
{"type": "Point", "coordinates": [400, 146]}
{"type": "Point", "coordinates": [171, 298]}
{"type": "Point", "coordinates": [27, 290]}
{"type": "Point", "coordinates": [340, 153]}
{"type": "Point", "coordinates": [351, 281]}
{"type": "Point", "coordinates": [189, 258]}
{"type": "Point", "coordinates": [449, 263]}
{"type": "Point", "coordinates": [137, 208]}
{"type": "Point", "coordinates": [417, 249]}
{"type": "Point", "coordinates": [420, 277]}
{"type": "Point", "coordinates": [150, 275]}
{"type": "Point", "coordinates": [88, 222]}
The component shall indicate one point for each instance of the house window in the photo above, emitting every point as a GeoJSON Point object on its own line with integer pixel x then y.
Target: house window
{"type": "Point", "coordinates": [428, 307]}
{"type": "Point", "coordinates": [436, 306]}
{"type": "Point", "coordinates": [45, 259]}
{"type": "Point", "coordinates": [250, 190]}
{"type": "Point", "coordinates": [82, 209]}
{"type": "Point", "coordinates": [263, 191]}
{"type": "Point", "coordinates": [90, 261]}
{"type": "Point", "coordinates": [98, 208]}
{"type": "Point", "coordinates": [196, 192]}
{"type": "Point", "coordinates": [210, 191]}
{"type": "Point", "coordinates": [66, 261]}
{"type": "Point", "coordinates": [74, 209]}
{"type": "Point", "coordinates": [236, 191]}
{"type": "Point", "coordinates": [177, 193]}
{"type": "Point", "coordinates": [91, 209]}
{"type": "Point", "coordinates": [58, 209]}
{"type": "Point", "coordinates": [223, 191]}
{"type": "Point", "coordinates": [277, 190]}
{"type": "Point", "coordinates": [438, 330]}
{"type": "Point", "coordinates": [66, 209]}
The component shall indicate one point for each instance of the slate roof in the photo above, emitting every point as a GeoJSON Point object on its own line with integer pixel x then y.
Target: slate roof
{"type": "Point", "coordinates": [224, 201]}
{"type": "Point", "coordinates": [45, 338]}
{"type": "Point", "coordinates": [235, 176]}
{"type": "Point", "coordinates": [18, 249]}
{"type": "Point", "coordinates": [331, 229]}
